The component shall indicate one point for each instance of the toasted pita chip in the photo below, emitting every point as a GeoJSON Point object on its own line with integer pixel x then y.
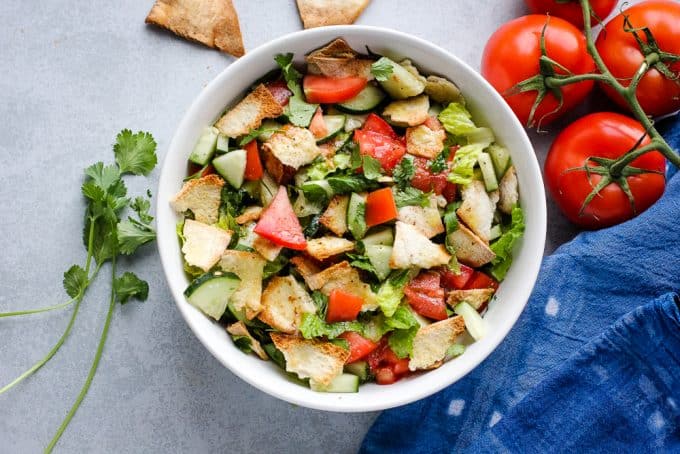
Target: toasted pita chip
{"type": "Point", "coordinates": [249, 113]}
{"type": "Point", "coordinates": [337, 59]}
{"type": "Point", "coordinates": [210, 22]}
{"type": "Point", "coordinates": [318, 13]}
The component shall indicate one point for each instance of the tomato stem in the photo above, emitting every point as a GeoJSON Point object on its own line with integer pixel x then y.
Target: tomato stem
{"type": "Point", "coordinates": [628, 93]}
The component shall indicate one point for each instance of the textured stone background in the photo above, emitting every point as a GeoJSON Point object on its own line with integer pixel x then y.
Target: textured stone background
{"type": "Point", "coordinates": [72, 74]}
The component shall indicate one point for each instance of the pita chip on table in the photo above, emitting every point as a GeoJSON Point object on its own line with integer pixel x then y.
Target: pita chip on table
{"type": "Point", "coordinates": [317, 13]}
{"type": "Point", "coordinates": [210, 22]}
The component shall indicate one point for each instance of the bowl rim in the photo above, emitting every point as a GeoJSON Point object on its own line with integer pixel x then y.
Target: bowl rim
{"type": "Point", "coordinates": [316, 401]}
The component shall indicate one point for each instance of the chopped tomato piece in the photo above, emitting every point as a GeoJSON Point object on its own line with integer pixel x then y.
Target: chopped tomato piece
{"type": "Point", "coordinates": [481, 280]}
{"type": "Point", "coordinates": [425, 295]}
{"type": "Point", "coordinates": [374, 123]}
{"type": "Point", "coordinates": [434, 124]}
{"type": "Point", "coordinates": [280, 91]}
{"type": "Point", "coordinates": [450, 191]}
{"type": "Point", "coordinates": [343, 306]}
{"type": "Point", "coordinates": [386, 365]}
{"type": "Point", "coordinates": [453, 281]}
{"type": "Point", "coordinates": [380, 207]}
{"type": "Point", "coordinates": [427, 282]}
{"type": "Point", "coordinates": [209, 170]}
{"type": "Point", "coordinates": [427, 181]}
{"type": "Point", "coordinates": [359, 346]}
{"type": "Point", "coordinates": [330, 90]}
{"type": "Point", "coordinates": [253, 163]}
{"type": "Point", "coordinates": [318, 125]}
{"type": "Point", "coordinates": [386, 150]}
{"type": "Point", "coordinates": [279, 224]}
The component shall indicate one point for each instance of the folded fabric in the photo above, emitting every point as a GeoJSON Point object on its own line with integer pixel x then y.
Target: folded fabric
{"type": "Point", "coordinates": [569, 376]}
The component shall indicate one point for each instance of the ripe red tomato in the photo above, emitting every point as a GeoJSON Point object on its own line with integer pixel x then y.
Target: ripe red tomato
{"type": "Point", "coordinates": [329, 90]}
{"type": "Point", "coordinates": [427, 181]}
{"type": "Point", "coordinates": [386, 150]}
{"type": "Point", "coordinates": [606, 135]}
{"type": "Point", "coordinates": [359, 346]}
{"type": "Point", "coordinates": [571, 10]}
{"type": "Point", "coordinates": [343, 306]}
{"type": "Point", "coordinates": [318, 126]}
{"type": "Point", "coordinates": [280, 91]}
{"type": "Point", "coordinates": [512, 56]}
{"type": "Point", "coordinates": [385, 365]}
{"type": "Point", "coordinates": [657, 94]}
{"type": "Point", "coordinates": [425, 295]}
{"type": "Point", "coordinates": [453, 281]}
{"type": "Point", "coordinates": [374, 123]}
{"type": "Point", "coordinates": [279, 224]}
{"type": "Point", "coordinates": [380, 207]}
{"type": "Point", "coordinates": [480, 280]}
{"type": "Point", "coordinates": [253, 170]}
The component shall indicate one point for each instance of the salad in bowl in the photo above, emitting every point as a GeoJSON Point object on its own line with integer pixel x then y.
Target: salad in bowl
{"type": "Point", "coordinates": [348, 219]}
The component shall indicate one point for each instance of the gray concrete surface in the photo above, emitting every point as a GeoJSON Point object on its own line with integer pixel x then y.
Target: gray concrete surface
{"type": "Point", "coordinates": [72, 74]}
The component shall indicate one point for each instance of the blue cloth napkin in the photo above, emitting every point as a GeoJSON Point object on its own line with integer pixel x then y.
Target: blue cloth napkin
{"type": "Point", "coordinates": [593, 363]}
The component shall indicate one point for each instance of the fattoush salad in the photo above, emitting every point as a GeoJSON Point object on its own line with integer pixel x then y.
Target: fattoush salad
{"type": "Point", "coordinates": [348, 219]}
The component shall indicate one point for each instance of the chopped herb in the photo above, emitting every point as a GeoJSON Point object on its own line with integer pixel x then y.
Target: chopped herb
{"type": "Point", "coordinates": [412, 196]}
{"type": "Point", "coordinates": [382, 69]}
{"type": "Point", "coordinates": [439, 164]}
{"type": "Point", "coordinates": [403, 173]}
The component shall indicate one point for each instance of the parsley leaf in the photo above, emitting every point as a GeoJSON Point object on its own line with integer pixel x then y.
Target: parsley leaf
{"type": "Point", "coordinates": [135, 153]}
{"type": "Point", "coordinates": [382, 69]}
{"type": "Point", "coordinates": [342, 184]}
{"type": "Point", "coordinates": [299, 112]}
{"type": "Point", "coordinates": [243, 343]}
{"type": "Point", "coordinates": [371, 167]}
{"type": "Point", "coordinates": [438, 164]}
{"type": "Point", "coordinates": [321, 302]}
{"type": "Point", "coordinates": [141, 206]}
{"type": "Point", "coordinates": [362, 262]}
{"type": "Point", "coordinates": [403, 173]}
{"type": "Point", "coordinates": [128, 285]}
{"type": "Point", "coordinates": [314, 326]}
{"type": "Point", "coordinates": [132, 234]}
{"type": "Point", "coordinates": [75, 281]}
{"type": "Point", "coordinates": [273, 267]}
{"type": "Point", "coordinates": [105, 177]}
{"type": "Point", "coordinates": [252, 135]}
{"type": "Point", "coordinates": [290, 74]}
{"type": "Point", "coordinates": [412, 196]}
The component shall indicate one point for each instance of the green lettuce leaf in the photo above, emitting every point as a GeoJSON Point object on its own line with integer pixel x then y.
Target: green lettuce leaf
{"type": "Point", "coordinates": [457, 120]}
{"type": "Point", "coordinates": [503, 246]}
{"type": "Point", "coordinates": [391, 292]}
{"type": "Point", "coordinates": [314, 326]}
{"type": "Point", "coordinates": [464, 162]}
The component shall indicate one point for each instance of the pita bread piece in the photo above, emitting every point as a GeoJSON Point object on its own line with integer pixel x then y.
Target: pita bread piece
{"type": "Point", "coordinates": [317, 13]}
{"type": "Point", "coordinates": [210, 22]}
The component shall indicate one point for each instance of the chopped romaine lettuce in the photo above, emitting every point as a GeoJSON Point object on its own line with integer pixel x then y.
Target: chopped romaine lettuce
{"type": "Point", "coordinates": [457, 120]}
{"type": "Point", "coordinates": [503, 246]}
{"type": "Point", "coordinates": [391, 292]}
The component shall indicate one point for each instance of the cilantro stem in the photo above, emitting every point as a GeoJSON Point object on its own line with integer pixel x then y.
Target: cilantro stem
{"type": "Point", "coordinates": [78, 299]}
{"type": "Point", "coordinates": [37, 311]}
{"type": "Point", "coordinates": [93, 368]}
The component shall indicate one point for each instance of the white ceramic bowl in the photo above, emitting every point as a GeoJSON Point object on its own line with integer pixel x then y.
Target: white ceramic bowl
{"type": "Point", "coordinates": [488, 108]}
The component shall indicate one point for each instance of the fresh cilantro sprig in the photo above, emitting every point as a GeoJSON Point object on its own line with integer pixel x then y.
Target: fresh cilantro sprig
{"type": "Point", "coordinates": [298, 110]}
{"type": "Point", "coordinates": [403, 173]}
{"type": "Point", "coordinates": [107, 236]}
{"type": "Point", "coordinates": [382, 69]}
{"type": "Point", "coordinates": [411, 196]}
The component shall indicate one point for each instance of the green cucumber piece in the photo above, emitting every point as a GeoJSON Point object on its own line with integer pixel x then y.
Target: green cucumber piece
{"type": "Point", "coordinates": [379, 256]}
{"type": "Point", "coordinates": [474, 323]}
{"type": "Point", "coordinates": [354, 122]}
{"type": "Point", "coordinates": [222, 143]}
{"type": "Point", "coordinates": [268, 128]}
{"type": "Point", "coordinates": [366, 101]}
{"type": "Point", "coordinates": [358, 368]}
{"type": "Point", "coordinates": [383, 237]}
{"type": "Point", "coordinates": [210, 292]}
{"type": "Point", "coordinates": [401, 83]}
{"type": "Point", "coordinates": [488, 172]}
{"type": "Point", "coordinates": [232, 167]}
{"type": "Point", "coordinates": [495, 232]}
{"type": "Point", "coordinates": [500, 158]}
{"type": "Point", "coordinates": [334, 124]}
{"type": "Point", "coordinates": [205, 147]}
{"type": "Point", "coordinates": [343, 383]}
{"type": "Point", "coordinates": [268, 189]}
{"type": "Point", "coordinates": [356, 216]}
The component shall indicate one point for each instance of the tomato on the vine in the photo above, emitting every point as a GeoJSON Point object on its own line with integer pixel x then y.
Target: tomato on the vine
{"type": "Point", "coordinates": [657, 93]}
{"type": "Point", "coordinates": [512, 56]}
{"type": "Point", "coordinates": [602, 135]}
{"type": "Point", "coordinates": [571, 10]}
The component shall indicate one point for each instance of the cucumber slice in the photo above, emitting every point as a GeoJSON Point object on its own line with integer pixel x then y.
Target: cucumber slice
{"type": "Point", "coordinates": [474, 323]}
{"type": "Point", "coordinates": [268, 189]}
{"type": "Point", "coordinates": [495, 232]}
{"type": "Point", "coordinates": [268, 128]}
{"type": "Point", "coordinates": [211, 292]}
{"type": "Point", "coordinates": [384, 237]}
{"type": "Point", "coordinates": [354, 122]}
{"type": "Point", "coordinates": [356, 220]}
{"type": "Point", "coordinates": [205, 147]}
{"type": "Point", "coordinates": [366, 101]}
{"type": "Point", "coordinates": [488, 173]}
{"type": "Point", "coordinates": [334, 124]}
{"type": "Point", "coordinates": [379, 256]}
{"type": "Point", "coordinates": [401, 83]}
{"type": "Point", "coordinates": [232, 167]}
{"type": "Point", "coordinates": [358, 368]}
{"type": "Point", "coordinates": [222, 143]}
{"type": "Point", "coordinates": [343, 383]}
{"type": "Point", "coordinates": [500, 158]}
